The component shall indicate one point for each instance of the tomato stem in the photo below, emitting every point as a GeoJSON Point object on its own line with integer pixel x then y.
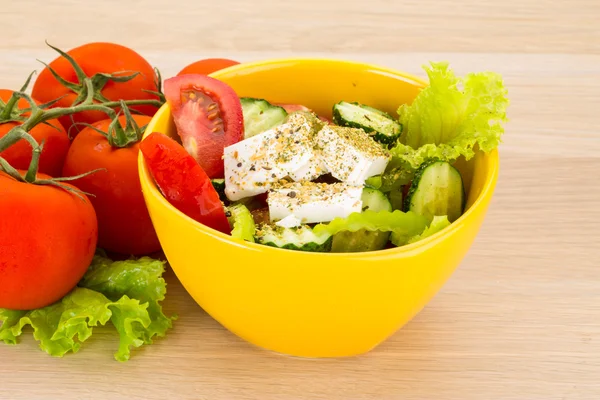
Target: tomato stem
{"type": "Point", "coordinates": [89, 88]}
{"type": "Point", "coordinates": [7, 109]}
{"type": "Point", "coordinates": [8, 112]}
{"type": "Point", "coordinates": [14, 135]}
{"type": "Point", "coordinates": [35, 162]}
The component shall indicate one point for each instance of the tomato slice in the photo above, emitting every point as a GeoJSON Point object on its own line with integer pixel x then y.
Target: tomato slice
{"type": "Point", "coordinates": [183, 182]}
{"type": "Point", "coordinates": [208, 116]}
{"type": "Point", "coordinates": [290, 108]}
{"type": "Point", "coordinates": [207, 66]}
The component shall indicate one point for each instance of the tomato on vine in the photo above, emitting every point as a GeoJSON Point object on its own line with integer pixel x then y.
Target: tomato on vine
{"type": "Point", "coordinates": [112, 146]}
{"type": "Point", "coordinates": [49, 232]}
{"type": "Point", "coordinates": [207, 66]}
{"type": "Point", "coordinates": [115, 73]}
{"type": "Point", "coordinates": [56, 142]}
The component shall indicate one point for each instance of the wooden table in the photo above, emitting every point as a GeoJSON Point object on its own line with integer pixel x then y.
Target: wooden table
{"type": "Point", "coordinates": [520, 319]}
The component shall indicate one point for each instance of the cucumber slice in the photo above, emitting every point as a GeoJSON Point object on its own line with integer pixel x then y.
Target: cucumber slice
{"type": "Point", "coordinates": [260, 116]}
{"type": "Point", "coordinates": [219, 185]}
{"type": "Point", "coordinates": [396, 198]}
{"type": "Point", "coordinates": [373, 182]}
{"type": "Point", "coordinates": [436, 190]}
{"type": "Point", "coordinates": [376, 123]}
{"type": "Point", "coordinates": [375, 200]}
{"type": "Point", "coordinates": [301, 238]}
{"type": "Point", "coordinates": [241, 221]}
{"type": "Point", "coordinates": [364, 240]}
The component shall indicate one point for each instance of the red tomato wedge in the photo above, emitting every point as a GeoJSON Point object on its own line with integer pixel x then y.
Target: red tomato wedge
{"type": "Point", "coordinates": [183, 182]}
{"type": "Point", "coordinates": [290, 108]}
{"type": "Point", "coordinates": [208, 116]}
{"type": "Point", "coordinates": [207, 66]}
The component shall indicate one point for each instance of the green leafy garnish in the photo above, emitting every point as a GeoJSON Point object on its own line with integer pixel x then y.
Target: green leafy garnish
{"type": "Point", "coordinates": [451, 116]}
{"type": "Point", "coordinates": [126, 293]}
{"type": "Point", "coordinates": [402, 224]}
{"type": "Point", "coordinates": [242, 221]}
{"type": "Point", "coordinates": [437, 224]}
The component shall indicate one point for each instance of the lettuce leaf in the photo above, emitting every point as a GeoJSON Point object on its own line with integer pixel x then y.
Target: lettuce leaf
{"type": "Point", "coordinates": [243, 223]}
{"type": "Point", "coordinates": [400, 223]}
{"type": "Point", "coordinates": [139, 279]}
{"type": "Point", "coordinates": [451, 116]}
{"type": "Point", "coordinates": [437, 224]}
{"type": "Point", "coordinates": [126, 293]}
{"type": "Point", "coordinates": [9, 318]}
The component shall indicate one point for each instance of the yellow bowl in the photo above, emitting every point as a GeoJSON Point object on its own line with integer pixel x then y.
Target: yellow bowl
{"type": "Point", "coordinates": [315, 304]}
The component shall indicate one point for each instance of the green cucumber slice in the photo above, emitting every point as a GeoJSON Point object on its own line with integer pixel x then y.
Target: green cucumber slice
{"type": "Point", "coordinates": [219, 185]}
{"type": "Point", "coordinates": [376, 123]}
{"type": "Point", "coordinates": [260, 116]}
{"type": "Point", "coordinates": [436, 190]}
{"type": "Point", "coordinates": [301, 238]}
{"type": "Point", "coordinates": [364, 240]}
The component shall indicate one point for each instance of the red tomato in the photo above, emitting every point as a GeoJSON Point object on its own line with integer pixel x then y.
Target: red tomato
{"type": "Point", "coordinates": [124, 225]}
{"type": "Point", "coordinates": [183, 182]}
{"type": "Point", "coordinates": [290, 108]}
{"type": "Point", "coordinates": [207, 66]}
{"type": "Point", "coordinates": [56, 142]}
{"type": "Point", "coordinates": [208, 116]}
{"type": "Point", "coordinates": [96, 58]}
{"type": "Point", "coordinates": [48, 240]}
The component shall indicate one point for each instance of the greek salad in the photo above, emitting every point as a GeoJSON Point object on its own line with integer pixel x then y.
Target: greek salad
{"type": "Point", "coordinates": [281, 175]}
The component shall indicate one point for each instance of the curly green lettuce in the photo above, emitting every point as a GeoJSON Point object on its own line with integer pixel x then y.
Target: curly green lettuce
{"type": "Point", "coordinates": [125, 293]}
{"type": "Point", "coordinates": [243, 222]}
{"type": "Point", "coordinates": [437, 224]}
{"type": "Point", "coordinates": [400, 223]}
{"type": "Point", "coordinates": [451, 116]}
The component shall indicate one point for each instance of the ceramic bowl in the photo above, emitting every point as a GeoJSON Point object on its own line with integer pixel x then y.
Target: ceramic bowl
{"type": "Point", "coordinates": [315, 304]}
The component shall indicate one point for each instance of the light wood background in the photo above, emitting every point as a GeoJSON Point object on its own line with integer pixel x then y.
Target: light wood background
{"type": "Point", "coordinates": [520, 319]}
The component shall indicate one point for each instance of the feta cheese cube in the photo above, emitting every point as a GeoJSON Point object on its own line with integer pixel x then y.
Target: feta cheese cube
{"type": "Point", "coordinates": [253, 165]}
{"type": "Point", "coordinates": [350, 154]}
{"type": "Point", "coordinates": [311, 202]}
{"type": "Point", "coordinates": [289, 222]}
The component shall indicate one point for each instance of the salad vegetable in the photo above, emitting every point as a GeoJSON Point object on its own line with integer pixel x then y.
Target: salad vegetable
{"type": "Point", "coordinates": [125, 293]}
{"type": "Point", "coordinates": [106, 72]}
{"type": "Point", "coordinates": [112, 147]}
{"type": "Point", "coordinates": [365, 181]}
{"type": "Point", "coordinates": [207, 66]}
{"type": "Point", "coordinates": [451, 116]}
{"type": "Point", "coordinates": [49, 223]}
{"type": "Point", "coordinates": [260, 116]}
{"type": "Point", "coordinates": [208, 116]}
{"type": "Point", "coordinates": [183, 182]}
{"type": "Point", "coordinates": [437, 189]}
{"type": "Point", "coordinates": [49, 219]}
{"type": "Point", "coordinates": [56, 142]}
{"type": "Point", "coordinates": [375, 122]}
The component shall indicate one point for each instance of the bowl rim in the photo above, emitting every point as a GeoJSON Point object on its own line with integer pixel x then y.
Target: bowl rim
{"type": "Point", "coordinates": [486, 191]}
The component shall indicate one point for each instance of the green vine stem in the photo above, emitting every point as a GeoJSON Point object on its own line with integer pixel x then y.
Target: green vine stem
{"type": "Point", "coordinates": [7, 111]}
{"type": "Point", "coordinates": [91, 86]}
{"type": "Point", "coordinates": [117, 135]}
{"type": "Point", "coordinates": [18, 133]}
{"type": "Point", "coordinates": [89, 98]}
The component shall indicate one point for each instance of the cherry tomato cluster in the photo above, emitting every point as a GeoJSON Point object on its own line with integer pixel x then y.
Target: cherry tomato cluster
{"type": "Point", "coordinates": [68, 168]}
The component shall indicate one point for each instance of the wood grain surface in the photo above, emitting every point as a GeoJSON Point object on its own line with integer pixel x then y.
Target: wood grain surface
{"type": "Point", "coordinates": [520, 319]}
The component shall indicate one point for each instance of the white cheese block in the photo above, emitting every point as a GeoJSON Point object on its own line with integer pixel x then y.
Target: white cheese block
{"type": "Point", "coordinates": [310, 202]}
{"type": "Point", "coordinates": [253, 165]}
{"type": "Point", "coordinates": [351, 155]}
{"type": "Point", "coordinates": [289, 222]}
